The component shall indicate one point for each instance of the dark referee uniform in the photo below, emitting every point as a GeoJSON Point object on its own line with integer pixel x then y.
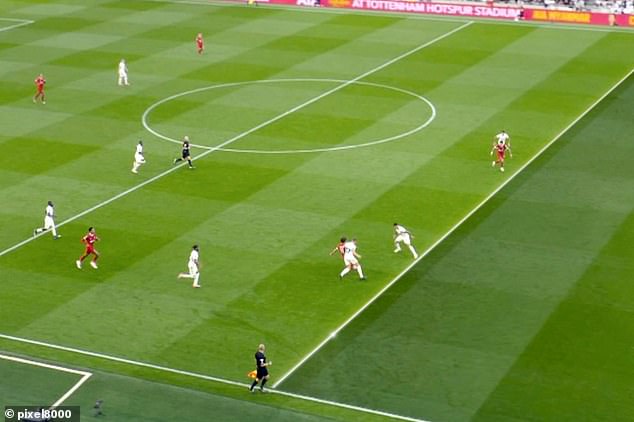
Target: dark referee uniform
{"type": "Point", "coordinates": [185, 154]}
{"type": "Point", "coordinates": [260, 360]}
{"type": "Point", "coordinates": [261, 368]}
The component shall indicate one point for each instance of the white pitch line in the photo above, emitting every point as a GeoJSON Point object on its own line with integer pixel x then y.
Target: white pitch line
{"type": "Point", "coordinates": [72, 390]}
{"type": "Point", "coordinates": [241, 135]}
{"type": "Point", "coordinates": [184, 373]}
{"type": "Point", "coordinates": [447, 234]}
{"type": "Point", "coordinates": [84, 375]}
{"type": "Point", "coordinates": [21, 22]}
{"type": "Point", "coordinates": [148, 111]}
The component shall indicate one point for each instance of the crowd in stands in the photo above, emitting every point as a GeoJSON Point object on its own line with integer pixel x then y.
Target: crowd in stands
{"type": "Point", "coordinates": [604, 6]}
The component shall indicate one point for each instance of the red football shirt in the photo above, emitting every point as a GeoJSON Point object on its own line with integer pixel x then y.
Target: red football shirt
{"type": "Point", "coordinates": [90, 239]}
{"type": "Point", "coordinates": [40, 81]}
{"type": "Point", "coordinates": [341, 247]}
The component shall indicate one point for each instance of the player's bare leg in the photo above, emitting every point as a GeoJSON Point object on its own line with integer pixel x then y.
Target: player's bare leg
{"type": "Point", "coordinates": [93, 263]}
{"type": "Point", "coordinates": [80, 260]}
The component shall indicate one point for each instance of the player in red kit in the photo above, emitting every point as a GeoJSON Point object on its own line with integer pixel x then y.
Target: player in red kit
{"type": "Point", "coordinates": [39, 83]}
{"type": "Point", "coordinates": [500, 148]}
{"type": "Point", "coordinates": [200, 43]}
{"type": "Point", "coordinates": [89, 240]}
{"type": "Point", "coordinates": [340, 247]}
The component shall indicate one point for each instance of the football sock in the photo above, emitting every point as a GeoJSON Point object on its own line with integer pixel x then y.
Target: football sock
{"type": "Point", "coordinates": [190, 163]}
{"type": "Point", "coordinates": [344, 272]}
{"type": "Point", "coordinates": [263, 382]}
{"type": "Point", "coordinates": [178, 159]}
{"type": "Point", "coordinates": [253, 384]}
{"type": "Point", "coordinates": [360, 271]}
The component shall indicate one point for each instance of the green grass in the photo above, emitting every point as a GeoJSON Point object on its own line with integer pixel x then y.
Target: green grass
{"type": "Point", "coordinates": [469, 333]}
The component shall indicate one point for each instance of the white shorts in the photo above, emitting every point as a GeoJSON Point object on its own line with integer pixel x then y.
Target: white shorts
{"type": "Point", "coordinates": [139, 159]}
{"type": "Point", "coordinates": [403, 237]}
{"type": "Point", "coordinates": [123, 74]}
{"type": "Point", "coordinates": [49, 223]}
{"type": "Point", "coordinates": [193, 268]}
{"type": "Point", "coordinates": [350, 260]}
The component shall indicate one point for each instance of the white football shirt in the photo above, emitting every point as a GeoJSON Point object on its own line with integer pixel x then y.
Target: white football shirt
{"type": "Point", "coordinates": [349, 248]}
{"type": "Point", "coordinates": [193, 257]}
{"type": "Point", "coordinates": [49, 211]}
{"type": "Point", "coordinates": [400, 229]}
{"type": "Point", "coordinates": [502, 137]}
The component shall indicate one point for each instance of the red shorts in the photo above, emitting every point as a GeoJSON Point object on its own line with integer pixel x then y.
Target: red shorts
{"type": "Point", "coordinates": [500, 156]}
{"type": "Point", "coordinates": [200, 46]}
{"type": "Point", "coordinates": [89, 249]}
{"type": "Point", "coordinates": [40, 89]}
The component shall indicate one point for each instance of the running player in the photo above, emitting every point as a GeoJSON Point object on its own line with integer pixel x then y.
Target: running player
{"type": "Point", "coordinates": [340, 247]}
{"type": "Point", "coordinates": [49, 221]}
{"type": "Point", "coordinates": [351, 259]}
{"type": "Point", "coordinates": [139, 158]}
{"type": "Point", "coordinates": [123, 73]}
{"type": "Point", "coordinates": [500, 147]}
{"type": "Point", "coordinates": [401, 234]}
{"type": "Point", "coordinates": [39, 83]}
{"type": "Point", "coordinates": [89, 240]}
{"type": "Point", "coordinates": [185, 153]}
{"type": "Point", "coordinates": [200, 43]}
{"type": "Point", "coordinates": [194, 267]}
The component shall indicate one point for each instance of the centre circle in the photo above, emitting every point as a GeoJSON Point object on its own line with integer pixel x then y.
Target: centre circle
{"type": "Point", "coordinates": [224, 146]}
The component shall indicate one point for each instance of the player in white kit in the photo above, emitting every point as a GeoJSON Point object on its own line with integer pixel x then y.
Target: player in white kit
{"type": "Point", "coordinates": [351, 259]}
{"type": "Point", "coordinates": [194, 267]}
{"type": "Point", "coordinates": [138, 157]}
{"type": "Point", "coordinates": [123, 73]}
{"type": "Point", "coordinates": [49, 221]}
{"type": "Point", "coordinates": [401, 234]}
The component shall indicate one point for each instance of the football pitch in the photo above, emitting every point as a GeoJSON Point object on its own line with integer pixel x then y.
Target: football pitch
{"type": "Point", "coordinates": [308, 125]}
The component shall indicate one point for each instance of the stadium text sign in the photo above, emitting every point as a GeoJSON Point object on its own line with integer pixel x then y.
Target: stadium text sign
{"type": "Point", "coordinates": [447, 9]}
{"type": "Point", "coordinates": [562, 16]}
{"type": "Point", "coordinates": [469, 10]}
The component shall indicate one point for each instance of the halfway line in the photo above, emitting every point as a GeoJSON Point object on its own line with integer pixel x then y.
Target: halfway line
{"type": "Point", "coordinates": [451, 230]}
{"type": "Point", "coordinates": [241, 135]}
{"type": "Point", "coordinates": [21, 22]}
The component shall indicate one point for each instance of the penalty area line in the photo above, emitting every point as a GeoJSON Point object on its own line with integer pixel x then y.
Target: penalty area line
{"type": "Point", "coordinates": [84, 375]}
{"type": "Point", "coordinates": [178, 372]}
{"type": "Point", "coordinates": [448, 233]}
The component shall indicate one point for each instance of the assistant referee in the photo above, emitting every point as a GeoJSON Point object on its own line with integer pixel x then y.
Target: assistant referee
{"type": "Point", "coordinates": [261, 366]}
